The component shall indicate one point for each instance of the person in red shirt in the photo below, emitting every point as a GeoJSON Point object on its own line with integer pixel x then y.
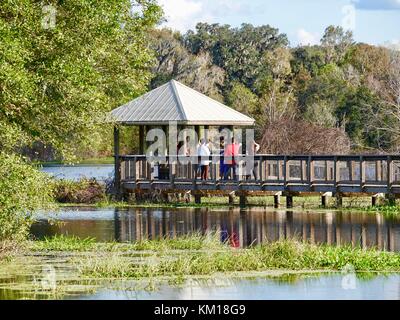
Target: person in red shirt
{"type": "Point", "coordinates": [230, 158]}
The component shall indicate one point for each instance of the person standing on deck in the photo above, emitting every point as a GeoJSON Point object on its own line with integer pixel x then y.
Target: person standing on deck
{"type": "Point", "coordinates": [222, 166]}
{"type": "Point", "coordinates": [204, 152]}
{"type": "Point", "coordinates": [230, 158]}
{"type": "Point", "coordinates": [251, 163]}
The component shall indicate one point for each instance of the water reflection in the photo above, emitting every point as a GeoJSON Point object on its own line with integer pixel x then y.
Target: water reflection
{"type": "Point", "coordinates": [240, 227]}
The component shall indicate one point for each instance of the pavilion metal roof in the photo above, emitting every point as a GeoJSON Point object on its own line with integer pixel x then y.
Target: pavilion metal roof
{"type": "Point", "coordinates": [174, 101]}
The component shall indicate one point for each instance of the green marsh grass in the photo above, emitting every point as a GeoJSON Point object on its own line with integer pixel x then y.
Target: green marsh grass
{"type": "Point", "coordinates": [73, 243]}
{"type": "Point", "coordinates": [181, 259]}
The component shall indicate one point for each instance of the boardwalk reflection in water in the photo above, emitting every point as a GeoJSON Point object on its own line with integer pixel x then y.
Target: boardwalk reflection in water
{"type": "Point", "coordinates": [248, 227]}
{"type": "Point", "coordinates": [240, 227]}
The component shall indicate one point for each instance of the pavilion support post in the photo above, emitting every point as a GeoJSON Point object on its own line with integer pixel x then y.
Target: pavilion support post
{"type": "Point", "coordinates": [339, 200]}
{"type": "Point", "coordinates": [231, 129]}
{"type": "Point", "coordinates": [198, 133]}
{"type": "Point", "coordinates": [242, 200]}
{"type": "Point", "coordinates": [141, 139]}
{"type": "Point", "coordinates": [289, 201]}
{"type": "Point", "coordinates": [374, 200]}
{"type": "Point", "coordinates": [323, 201]}
{"type": "Point", "coordinates": [117, 166]}
{"type": "Point", "coordinates": [231, 198]}
{"type": "Point", "coordinates": [277, 200]}
{"type": "Point", "coordinates": [197, 198]}
{"type": "Point", "coordinates": [206, 133]}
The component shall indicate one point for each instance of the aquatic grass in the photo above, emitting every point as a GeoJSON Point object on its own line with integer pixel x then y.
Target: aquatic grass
{"type": "Point", "coordinates": [63, 243]}
{"type": "Point", "coordinates": [285, 254]}
{"type": "Point", "coordinates": [194, 241]}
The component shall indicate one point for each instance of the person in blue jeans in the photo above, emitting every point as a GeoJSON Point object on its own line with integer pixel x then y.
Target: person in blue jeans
{"type": "Point", "coordinates": [222, 165]}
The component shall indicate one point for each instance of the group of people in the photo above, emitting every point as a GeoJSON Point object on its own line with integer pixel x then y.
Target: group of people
{"type": "Point", "coordinates": [228, 158]}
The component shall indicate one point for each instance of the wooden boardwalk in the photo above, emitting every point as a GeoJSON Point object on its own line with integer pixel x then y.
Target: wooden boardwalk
{"type": "Point", "coordinates": [341, 175]}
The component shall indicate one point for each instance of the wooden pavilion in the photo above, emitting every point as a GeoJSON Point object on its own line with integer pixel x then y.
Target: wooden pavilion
{"type": "Point", "coordinates": [175, 103]}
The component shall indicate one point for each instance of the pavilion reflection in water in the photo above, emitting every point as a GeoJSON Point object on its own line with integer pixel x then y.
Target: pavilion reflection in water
{"type": "Point", "coordinates": [254, 226]}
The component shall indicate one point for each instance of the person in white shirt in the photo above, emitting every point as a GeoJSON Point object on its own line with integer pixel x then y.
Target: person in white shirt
{"type": "Point", "coordinates": [204, 152]}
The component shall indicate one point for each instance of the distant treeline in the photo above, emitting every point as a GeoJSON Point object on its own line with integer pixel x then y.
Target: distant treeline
{"type": "Point", "coordinates": [339, 96]}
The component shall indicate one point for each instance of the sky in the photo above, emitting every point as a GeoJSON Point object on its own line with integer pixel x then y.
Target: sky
{"type": "Point", "coordinates": [304, 21]}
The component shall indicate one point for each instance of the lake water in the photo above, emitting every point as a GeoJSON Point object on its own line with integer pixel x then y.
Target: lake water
{"type": "Point", "coordinates": [328, 287]}
{"type": "Point", "coordinates": [240, 228]}
{"type": "Point", "coordinates": [100, 172]}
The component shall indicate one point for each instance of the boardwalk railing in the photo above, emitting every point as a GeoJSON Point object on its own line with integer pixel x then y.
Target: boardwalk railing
{"type": "Point", "coordinates": [341, 173]}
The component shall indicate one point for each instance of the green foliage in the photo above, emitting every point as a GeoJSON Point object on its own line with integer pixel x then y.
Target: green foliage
{"type": "Point", "coordinates": [322, 114]}
{"type": "Point", "coordinates": [355, 111]}
{"type": "Point", "coordinates": [336, 42]}
{"type": "Point", "coordinates": [63, 243]}
{"type": "Point", "coordinates": [23, 190]}
{"type": "Point", "coordinates": [58, 82]}
{"type": "Point", "coordinates": [242, 99]}
{"type": "Point", "coordinates": [73, 243]}
{"type": "Point", "coordinates": [237, 50]}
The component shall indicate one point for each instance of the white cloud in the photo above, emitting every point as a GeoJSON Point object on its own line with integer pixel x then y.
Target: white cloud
{"type": "Point", "coordinates": [307, 38]}
{"type": "Point", "coordinates": [182, 14]}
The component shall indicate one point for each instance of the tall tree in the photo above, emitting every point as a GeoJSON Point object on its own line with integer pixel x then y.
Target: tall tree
{"type": "Point", "coordinates": [62, 66]}
{"type": "Point", "coordinates": [237, 50]}
{"type": "Point", "coordinates": [57, 81]}
{"type": "Point", "coordinates": [174, 61]}
{"type": "Point", "coordinates": [276, 92]}
{"type": "Point", "coordinates": [336, 41]}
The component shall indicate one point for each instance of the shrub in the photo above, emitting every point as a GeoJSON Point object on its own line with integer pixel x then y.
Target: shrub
{"type": "Point", "coordinates": [23, 190]}
{"type": "Point", "coordinates": [82, 191]}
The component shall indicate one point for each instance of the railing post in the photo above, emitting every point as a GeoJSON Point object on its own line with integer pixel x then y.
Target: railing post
{"type": "Point", "coordinates": [362, 173]}
{"type": "Point", "coordinates": [389, 174]}
{"type": "Point", "coordinates": [378, 170]}
{"type": "Point", "coordinates": [326, 170]}
{"type": "Point", "coordinates": [117, 167]}
{"type": "Point", "coordinates": [308, 174]}
{"type": "Point", "coordinates": [350, 165]}
{"type": "Point", "coordinates": [335, 173]}
{"type": "Point", "coordinates": [134, 170]}
{"type": "Point", "coordinates": [171, 172]}
{"type": "Point", "coordinates": [260, 170]}
{"type": "Point", "coordinates": [285, 171]}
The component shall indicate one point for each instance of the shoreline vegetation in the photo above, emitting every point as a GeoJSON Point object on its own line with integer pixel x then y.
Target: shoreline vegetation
{"type": "Point", "coordinates": [81, 264]}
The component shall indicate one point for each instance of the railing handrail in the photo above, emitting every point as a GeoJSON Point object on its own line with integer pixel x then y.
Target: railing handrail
{"type": "Point", "coordinates": [280, 157]}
